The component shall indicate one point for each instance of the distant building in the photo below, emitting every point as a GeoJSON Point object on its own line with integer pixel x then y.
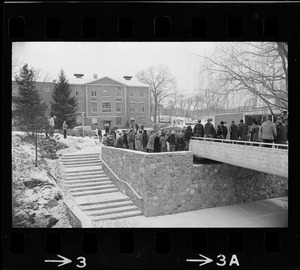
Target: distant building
{"type": "Point", "coordinates": [119, 103]}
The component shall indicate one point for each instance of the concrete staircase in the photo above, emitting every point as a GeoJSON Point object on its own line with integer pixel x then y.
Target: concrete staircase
{"type": "Point", "coordinates": [95, 194]}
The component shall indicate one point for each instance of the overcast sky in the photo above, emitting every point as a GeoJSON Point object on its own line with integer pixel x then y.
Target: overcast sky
{"type": "Point", "coordinates": [113, 59]}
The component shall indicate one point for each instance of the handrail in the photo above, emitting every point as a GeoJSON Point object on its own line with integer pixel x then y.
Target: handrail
{"type": "Point", "coordinates": [126, 183]}
{"type": "Point", "coordinates": [276, 145]}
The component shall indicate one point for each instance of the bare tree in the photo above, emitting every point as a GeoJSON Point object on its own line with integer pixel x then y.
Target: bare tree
{"type": "Point", "coordinates": [260, 69]}
{"type": "Point", "coordinates": [161, 83]}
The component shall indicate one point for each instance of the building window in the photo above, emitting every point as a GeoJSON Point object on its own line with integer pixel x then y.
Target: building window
{"type": "Point", "coordinates": [142, 93]}
{"type": "Point", "coordinates": [94, 93]}
{"type": "Point", "coordinates": [142, 108]}
{"type": "Point", "coordinates": [94, 107]}
{"type": "Point", "coordinates": [94, 120]}
{"type": "Point", "coordinates": [131, 93]}
{"type": "Point", "coordinates": [106, 107]}
{"type": "Point", "coordinates": [105, 93]}
{"type": "Point", "coordinates": [77, 93]}
{"type": "Point", "coordinates": [131, 108]}
{"type": "Point", "coordinates": [119, 121]}
{"type": "Point", "coordinates": [118, 93]}
{"type": "Point", "coordinates": [118, 107]}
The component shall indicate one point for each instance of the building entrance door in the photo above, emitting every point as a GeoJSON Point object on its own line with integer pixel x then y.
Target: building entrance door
{"type": "Point", "coordinates": [106, 124]}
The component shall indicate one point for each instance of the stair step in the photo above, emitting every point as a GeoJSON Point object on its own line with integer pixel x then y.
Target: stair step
{"type": "Point", "coordinates": [80, 155]}
{"type": "Point", "coordinates": [94, 192]}
{"type": "Point", "coordinates": [79, 181]}
{"type": "Point", "coordinates": [99, 175]}
{"type": "Point", "coordinates": [68, 166]}
{"type": "Point", "coordinates": [108, 211]}
{"type": "Point", "coordinates": [108, 205]}
{"type": "Point", "coordinates": [104, 198]}
{"type": "Point", "coordinates": [88, 184]}
{"type": "Point", "coordinates": [118, 215]}
{"type": "Point", "coordinates": [77, 169]}
{"type": "Point", "coordinates": [98, 187]}
{"type": "Point", "coordinates": [83, 173]}
{"type": "Point", "coordinates": [81, 161]}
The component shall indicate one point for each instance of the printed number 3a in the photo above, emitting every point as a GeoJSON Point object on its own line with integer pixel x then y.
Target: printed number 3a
{"type": "Point", "coordinates": [82, 262]}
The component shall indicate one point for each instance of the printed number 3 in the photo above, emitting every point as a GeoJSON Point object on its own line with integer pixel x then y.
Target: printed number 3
{"type": "Point", "coordinates": [82, 262]}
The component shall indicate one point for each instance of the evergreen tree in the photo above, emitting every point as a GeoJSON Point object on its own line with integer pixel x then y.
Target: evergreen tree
{"type": "Point", "coordinates": [63, 106]}
{"type": "Point", "coordinates": [28, 110]}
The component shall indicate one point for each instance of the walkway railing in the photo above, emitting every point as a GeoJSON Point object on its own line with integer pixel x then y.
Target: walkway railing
{"type": "Point", "coordinates": [264, 157]}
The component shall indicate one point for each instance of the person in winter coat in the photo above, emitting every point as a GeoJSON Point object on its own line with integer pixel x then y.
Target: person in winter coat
{"type": "Point", "coordinates": [157, 144]}
{"type": "Point", "coordinates": [267, 132]}
{"type": "Point", "coordinates": [125, 139]}
{"type": "Point", "coordinates": [228, 130]}
{"type": "Point", "coordinates": [163, 142]}
{"type": "Point", "coordinates": [186, 137]}
{"type": "Point", "coordinates": [52, 125]}
{"type": "Point", "coordinates": [209, 130]}
{"type": "Point", "coordinates": [254, 132]}
{"type": "Point", "coordinates": [145, 140]}
{"type": "Point", "coordinates": [138, 141]}
{"type": "Point", "coordinates": [221, 131]}
{"type": "Point", "coordinates": [180, 142]}
{"type": "Point", "coordinates": [234, 131]}
{"type": "Point", "coordinates": [281, 134]}
{"type": "Point", "coordinates": [172, 141]}
{"type": "Point", "coordinates": [120, 142]}
{"type": "Point", "coordinates": [131, 140]}
{"type": "Point", "coordinates": [100, 134]}
{"type": "Point", "coordinates": [199, 129]}
{"type": "Point", "coordinates": [110, 141]}
{"type": "Point", "coordinates": [104, 139]}
{"type": "Point", "coordinates": [150, 144]}
{"type": "Point", "coordinates": [243, 130]}
{"type": "Point", "coordinates": [65, 127]}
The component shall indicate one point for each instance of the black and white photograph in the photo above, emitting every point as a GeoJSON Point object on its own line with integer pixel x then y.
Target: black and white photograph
{"type": "Point", "coordinates": [150, 134]}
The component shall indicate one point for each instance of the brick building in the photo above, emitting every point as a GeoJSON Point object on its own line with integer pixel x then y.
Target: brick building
{"type": "Point", "coordinates": [118, 103]}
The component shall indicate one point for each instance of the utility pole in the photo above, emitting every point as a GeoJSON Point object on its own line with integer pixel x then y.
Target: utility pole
{"type": "Point", "coordinates": [36, 146]}
{"type": "Point", "coordinates": [82, 115]}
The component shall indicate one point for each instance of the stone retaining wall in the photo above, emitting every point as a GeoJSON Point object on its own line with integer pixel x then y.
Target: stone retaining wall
{"type": "Point", "coordinates": [170, 183]}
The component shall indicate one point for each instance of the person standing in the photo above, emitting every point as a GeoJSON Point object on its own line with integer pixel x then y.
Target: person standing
{"type": "Point", "coordinates": [100, 134]}
{"type": "Point", "coordinates": [186, 137]}
{"type": "Point", "coordinates": [104, 139]}
{"type": "Point", "coordinates": [228, 130]}
{"type": "Point", "coordinates": [243, 130]}
{"type": "Point", "coordinates": [163, 142]}
{"type": "Point", "coordinates": [131, 140]}
{"type": "Point", "coordinates": [172, 141]}
{"type": "Point", "coordinates": [150, 144]}
{"type": "Point", "coordinates": [267, 132]}
{"type": "Point", "coordinates": [138, 141]}
{"type": "Point", "coordinates": [199, 129]}
{"type": "Point", "coordinates": [65, 127]}
{"type": "Point", "coordinates": [209, 130]}
{"type": "Point", "coordinates": [157, 144]}
{"type": "Point", "coordinates": [254, 132]}
{"type": "Point", "coordinates": [125, 139]}
{"type": "Point", "coordinates": [145, 140]}
{"type": "Point", "coordinates": [234, 131]}
{"type": "Point", "coordinates": [180, 142]}
{"type": "Point", "coordinates": [222, 131]}
{"type": "Point", "coordinates": [120, 142]}
{"type": "Point", "coordinates": [281, 134]}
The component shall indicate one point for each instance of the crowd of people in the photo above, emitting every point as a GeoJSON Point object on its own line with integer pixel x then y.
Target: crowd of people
{"type": "Point", "coordinates": [170, 140]}
{"type": "Point", "coordinates": [268, 132]}
{"type": "Point", "coordinates": [140, 139]}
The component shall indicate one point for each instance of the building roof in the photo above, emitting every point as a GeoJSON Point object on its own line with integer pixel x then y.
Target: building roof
{"type": "Point", "coordinates": [82, 81]}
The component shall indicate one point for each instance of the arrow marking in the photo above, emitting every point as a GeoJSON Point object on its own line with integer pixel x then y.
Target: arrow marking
{"type": "Point", "coordinates": [63, 261]}
{"type": "Point", "coordinates": [204, 261]}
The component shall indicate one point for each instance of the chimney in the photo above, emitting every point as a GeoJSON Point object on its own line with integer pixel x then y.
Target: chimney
{"type": "Point", "coordinates": [127, 78]}
{"type": "Point", "coordinates": [95, 76]}
{"type": "Point", "coordinates": [78, 76]}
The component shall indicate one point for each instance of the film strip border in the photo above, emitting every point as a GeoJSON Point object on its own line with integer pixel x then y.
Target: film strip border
{"type": "Point", "coordinates": [155, 248]}
{"type": "Point", "coordinates": [141, 248]}
{"type": "Point", "coordinates": [149, 21]}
